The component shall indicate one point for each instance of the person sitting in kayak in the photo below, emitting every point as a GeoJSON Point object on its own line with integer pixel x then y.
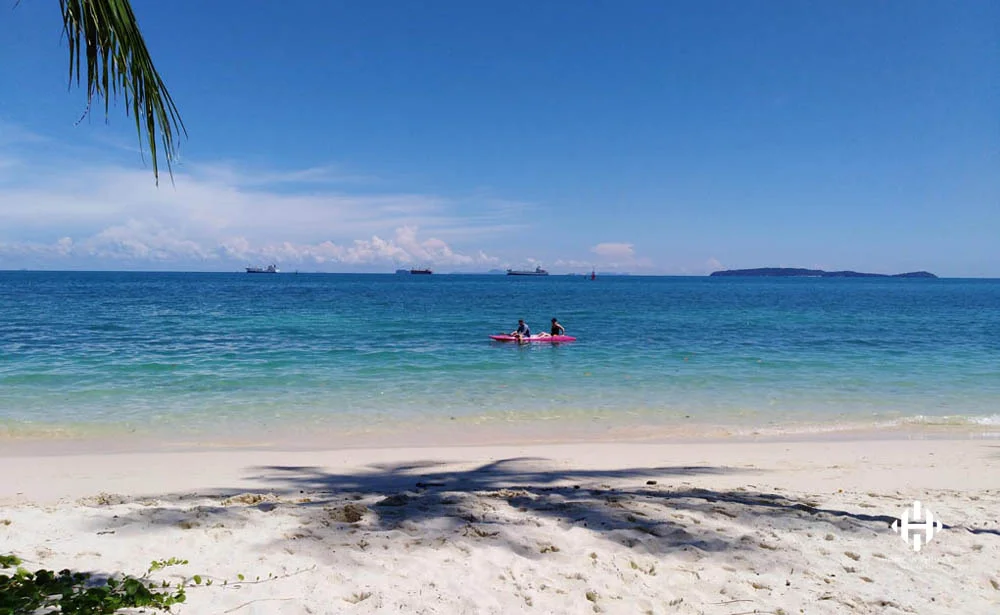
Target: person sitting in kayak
{"type": "Point", "coordinates": [522, 330]}
{"type": "Point", "coordinates": [557, 329]}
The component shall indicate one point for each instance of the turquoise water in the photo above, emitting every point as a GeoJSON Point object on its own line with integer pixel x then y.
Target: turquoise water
{"type": "Point", "coordinates": [203, 354]}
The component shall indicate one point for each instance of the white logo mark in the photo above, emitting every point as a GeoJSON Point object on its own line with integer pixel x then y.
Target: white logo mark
{"type": "Point", "coordinates": [919, 528]}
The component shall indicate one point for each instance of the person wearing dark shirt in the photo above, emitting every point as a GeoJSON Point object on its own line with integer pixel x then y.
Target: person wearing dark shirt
{"type": "Point", "coordinates": [557, 329]}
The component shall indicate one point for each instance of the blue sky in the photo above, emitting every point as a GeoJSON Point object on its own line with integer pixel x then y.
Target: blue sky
{"type": "Point", "coordinates": [645, 136]}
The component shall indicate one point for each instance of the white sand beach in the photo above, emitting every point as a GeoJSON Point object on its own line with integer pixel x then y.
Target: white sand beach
{"type": "Point", "coordinates": [720, 528]}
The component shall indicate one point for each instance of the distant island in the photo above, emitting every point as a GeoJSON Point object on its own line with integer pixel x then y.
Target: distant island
{"type": "Point", "coordinates": [791, 272]}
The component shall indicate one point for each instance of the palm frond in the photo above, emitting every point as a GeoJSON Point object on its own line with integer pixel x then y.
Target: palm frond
{"type": "Point", "coordinates": [106, 34]}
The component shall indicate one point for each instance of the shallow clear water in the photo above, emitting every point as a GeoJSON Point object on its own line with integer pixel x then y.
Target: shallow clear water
{"type": "Point", "coordinates": [208, 353]}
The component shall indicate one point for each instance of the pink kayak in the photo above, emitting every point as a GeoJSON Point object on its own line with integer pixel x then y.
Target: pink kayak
{"type": "Point", "coordinates": [534, 338]}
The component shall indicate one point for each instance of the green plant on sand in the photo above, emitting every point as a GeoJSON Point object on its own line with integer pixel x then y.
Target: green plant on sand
{"type": "Point", "coordinates": [78, 593]}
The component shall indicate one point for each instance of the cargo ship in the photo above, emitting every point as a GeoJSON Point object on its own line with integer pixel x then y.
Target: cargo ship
{"type": "Point", "coordinates": [537, 271]}
{"type": "Point", "coordinates": [268, 269]}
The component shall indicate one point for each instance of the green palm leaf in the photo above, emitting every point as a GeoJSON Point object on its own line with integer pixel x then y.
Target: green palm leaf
{"type": "Point", "coordinates": [105, 33]}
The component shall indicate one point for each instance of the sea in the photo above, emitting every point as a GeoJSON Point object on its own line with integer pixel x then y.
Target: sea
{"type": "Point", "coordinates": [235, 359]}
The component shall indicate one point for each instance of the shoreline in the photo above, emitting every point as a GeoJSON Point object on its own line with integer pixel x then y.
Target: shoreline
{"type": "Point", "coordinates": [533, 433]}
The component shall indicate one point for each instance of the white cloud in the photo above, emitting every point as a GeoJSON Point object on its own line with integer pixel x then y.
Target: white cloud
{"type": "Point", "coordinates": [137, 242]}
{"type": "Point", "coordinates": [614, 250]}
{"type": "Point", "coordinates": [713, 264]}
{"type": "Point", "coordinates": [64, 246]}
{"type": "Point", "coordinates": [615, 256]}
{"type": "Point", "coordinates": [220, 217]}
{"type": "Point", "coordinates": [570, 263]}
{"type": "Point", "coordinates": [12, 133]}
{"type": "Point", "coordinates": [233, 174]}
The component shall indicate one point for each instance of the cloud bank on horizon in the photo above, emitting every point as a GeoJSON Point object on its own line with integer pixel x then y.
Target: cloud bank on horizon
{"type": "Point", "coordinates": [63, 210]}
{"type": "Point", "coordinates": [110, 217]}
